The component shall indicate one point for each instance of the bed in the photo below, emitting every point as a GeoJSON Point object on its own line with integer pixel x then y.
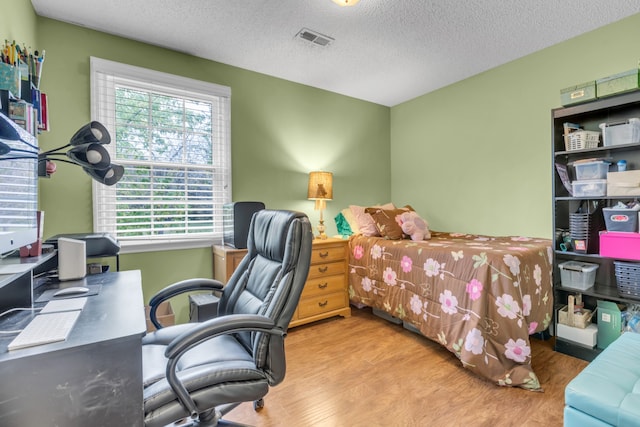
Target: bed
{"type": "Point", "coordinates": [480, 297]}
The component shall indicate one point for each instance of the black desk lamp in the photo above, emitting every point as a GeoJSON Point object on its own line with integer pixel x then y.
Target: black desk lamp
{"type": "Point", "coordinates": [86, 150]}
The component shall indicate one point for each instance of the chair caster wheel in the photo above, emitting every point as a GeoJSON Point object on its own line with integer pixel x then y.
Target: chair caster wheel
{"type": "Point", "coordinates": [258, 404]}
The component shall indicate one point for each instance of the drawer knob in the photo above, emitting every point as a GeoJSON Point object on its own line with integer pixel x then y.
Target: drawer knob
{"type": "Point", "coordinates": [323, 269]}
{"type": "Point", "coordinates": [322, 285]}
{"type": "Point", "coordinates": [323, 304]}
{"type": "Point", "coordinates": [324, 254]}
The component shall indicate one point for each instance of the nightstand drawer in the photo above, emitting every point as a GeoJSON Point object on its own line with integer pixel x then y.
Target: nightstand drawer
{"type": "Point", "coordinates": [328, 269]}
{"type": "Point", "coordinates": [328, 254]}
{"type": "Point", "coordinates": [322, 304]}
{"type": "Point", "coordinates": [323, 286]}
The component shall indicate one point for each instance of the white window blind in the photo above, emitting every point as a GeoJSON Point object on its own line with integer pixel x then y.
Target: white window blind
{"type": "Point", "coordinates": [172, 136]}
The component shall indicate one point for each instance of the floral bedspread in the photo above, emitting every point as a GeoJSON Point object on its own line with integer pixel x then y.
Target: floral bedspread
{"type": "Point", "coordinates": [480, 297]}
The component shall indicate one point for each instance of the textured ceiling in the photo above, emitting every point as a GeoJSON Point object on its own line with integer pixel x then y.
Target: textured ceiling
{"type": "Point", "coordinates": [384, 51]}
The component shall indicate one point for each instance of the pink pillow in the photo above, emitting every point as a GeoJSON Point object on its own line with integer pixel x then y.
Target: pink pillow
{"type": "Point", "coordinates": [365, 222]}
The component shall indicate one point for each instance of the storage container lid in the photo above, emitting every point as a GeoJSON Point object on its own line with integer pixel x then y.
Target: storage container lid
{"type": "Point", "coordinates": [591, 163]}
{"type": "Point", "coordinates": [585, 267]}
{"type": "Point", "coordinates": [632, 121]}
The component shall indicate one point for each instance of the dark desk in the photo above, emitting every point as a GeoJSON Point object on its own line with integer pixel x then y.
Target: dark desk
{"type": "Point", "coordinates": [94, 378]}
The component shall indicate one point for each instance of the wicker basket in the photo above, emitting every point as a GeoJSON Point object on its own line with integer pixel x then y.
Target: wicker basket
{"type": "Point", "coordinates": [567, 315]}
{"type": "Point", "coordinates": [581, 139]}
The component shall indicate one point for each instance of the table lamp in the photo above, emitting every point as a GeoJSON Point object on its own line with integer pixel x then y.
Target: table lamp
{"type": "Point", "coordinates": [320, 189]}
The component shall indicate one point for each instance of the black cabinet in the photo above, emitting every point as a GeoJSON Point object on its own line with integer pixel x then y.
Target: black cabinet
{"type": "Point", "coordinates": [589, 116]}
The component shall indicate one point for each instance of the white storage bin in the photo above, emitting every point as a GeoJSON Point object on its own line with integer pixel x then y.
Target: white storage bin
{"type": "Point", "coordinates": [621, 133]}
{"type": "Point", "coordinates": [591, 170]}
{"type": "Point", "coordinates": [578, 275]}
{"type": "Point", "coordinates": [589, 188]}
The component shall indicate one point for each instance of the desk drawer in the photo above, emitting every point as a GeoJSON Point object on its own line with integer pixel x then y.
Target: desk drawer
{"type": "Point", "coordinates": [322, 304]}
{"type": "Point", "coordinates": [335, 253]}
{"type": "Point", "coordinates": [323, 286]}
{"type": "Point", "coordinates": [328, 269]}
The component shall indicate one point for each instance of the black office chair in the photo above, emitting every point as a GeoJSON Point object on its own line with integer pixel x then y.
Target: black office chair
{"type": "Point", "coordinates": [203, 370]}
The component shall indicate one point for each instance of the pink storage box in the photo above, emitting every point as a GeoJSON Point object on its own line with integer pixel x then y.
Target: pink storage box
{"type": "Point", "coordinates": [615, 244]}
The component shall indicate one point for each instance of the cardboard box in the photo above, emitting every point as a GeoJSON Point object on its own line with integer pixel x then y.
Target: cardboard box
{"type": "Point", "coordinates": [164, 314]}
{"type": "Point", "coordinates": [579, 93]}
{"type": "Point", "coordinates": [618, 83]}
{"type": "Point", "coordinates": [609, 322]}
{"type": "Point", "coordinates": [587, 337]}
{"type": "Point", "coordinates": [625, 183]}
{"type": "Point", "coordinates": [621, 245]}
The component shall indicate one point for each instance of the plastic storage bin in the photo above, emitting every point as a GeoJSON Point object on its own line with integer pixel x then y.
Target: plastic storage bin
{"type": "Point", "coordinates": [620, 245]}
{"type": "Point", "coordinates": [589, 188]}
{"type": "Point", "coordinates": [584, 227]}
{"type": "Point", "coordinates": [625, 220]}
{"type": "Point", "coordinates": [591, 170]}
{"type": "Point", "coordinates": [620, 133]}
{"type": "Point", "coordinates": [628, 279]}
{"type": "Point", "coordinates": [577, 275]}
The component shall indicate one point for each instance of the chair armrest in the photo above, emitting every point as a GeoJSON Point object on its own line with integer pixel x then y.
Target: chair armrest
{"type": "Point", "coordinates": [184, 286]}
{"type": "Point", "coordinates": [204, 331]}
{"type": "Point", "coordinates": [228, 324]}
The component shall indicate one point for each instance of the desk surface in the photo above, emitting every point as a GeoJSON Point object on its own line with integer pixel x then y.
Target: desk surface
{"type": "Point", "coordinates": [94, 378]}
{"type": "Point", "coordinates": [116, 311]}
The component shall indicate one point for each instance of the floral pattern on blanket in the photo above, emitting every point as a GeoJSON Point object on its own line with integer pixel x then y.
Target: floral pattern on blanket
{"type": "Point", "coordinates": [480, 297]}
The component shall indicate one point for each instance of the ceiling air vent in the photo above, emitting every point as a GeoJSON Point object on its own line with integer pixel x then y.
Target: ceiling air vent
{"type": "Point", "coordinates": [314, 37]}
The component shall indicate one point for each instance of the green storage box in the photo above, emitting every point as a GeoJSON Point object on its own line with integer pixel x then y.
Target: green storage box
{"type": "Point", "coordinates": [618, 83]}
{"type": "Point", "coordinates": [609, 322]}
{"type": "Point", "coordinates": [579, 93]}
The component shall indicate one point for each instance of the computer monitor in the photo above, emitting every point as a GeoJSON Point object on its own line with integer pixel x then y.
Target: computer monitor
{"type": "Point", "coordinates": [18, 187]}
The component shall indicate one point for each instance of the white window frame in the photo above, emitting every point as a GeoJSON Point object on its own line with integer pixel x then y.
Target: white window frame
{"type": "Point", "coordinates": [104, 113]}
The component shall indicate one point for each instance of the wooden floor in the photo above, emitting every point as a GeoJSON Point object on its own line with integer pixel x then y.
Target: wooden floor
{"type": "Point", "coordinates": [365, 371]}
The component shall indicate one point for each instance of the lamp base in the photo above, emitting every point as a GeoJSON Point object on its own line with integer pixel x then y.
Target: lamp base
{"type": "Point", "coordinates": [321, 234]}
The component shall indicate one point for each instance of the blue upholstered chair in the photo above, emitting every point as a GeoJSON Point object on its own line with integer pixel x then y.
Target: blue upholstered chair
{"type": "Point", "coordinates": [607, 391]}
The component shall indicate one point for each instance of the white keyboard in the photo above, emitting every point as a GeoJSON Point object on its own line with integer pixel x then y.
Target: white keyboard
{"type": "Point", "coordinates": [45, 329]}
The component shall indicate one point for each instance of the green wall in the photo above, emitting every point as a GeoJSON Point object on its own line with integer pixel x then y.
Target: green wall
{"type": "Point", "coordinates": [279, 131]}
{"type": "Point", "coordinates": [472, 157]}
{"type": "Point", "coordinates": [18, 22]}
{"type": "Point", "coordinates": [476, 156]}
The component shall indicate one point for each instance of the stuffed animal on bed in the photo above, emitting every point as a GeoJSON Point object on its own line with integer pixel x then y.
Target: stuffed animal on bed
{"type": "Point", "coordinates": [414, 226]}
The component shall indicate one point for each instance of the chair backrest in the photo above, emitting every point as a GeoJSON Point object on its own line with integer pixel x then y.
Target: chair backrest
{"type": "Point", "coordinates": [269, 281]}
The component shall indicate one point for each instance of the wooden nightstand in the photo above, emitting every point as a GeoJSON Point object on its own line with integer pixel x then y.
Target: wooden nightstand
{"type": "Point", "coordinates": [225, 261]}
{"type": "Point", "coordinates": [326, 292]}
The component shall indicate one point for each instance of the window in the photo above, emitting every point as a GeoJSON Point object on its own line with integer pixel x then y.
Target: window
{"type": "Point", "coordinates": [172, 136]}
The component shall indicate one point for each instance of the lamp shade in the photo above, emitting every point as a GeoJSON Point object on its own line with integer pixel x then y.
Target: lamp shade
{"type": "Point", "coordinates": [108, 176]}
{"type": "Point", "coordinates": [346, 2]}
{"type": "Point", "coordinates": [92, 132]}
{"type": "Point", "coordinates": [320, 186]}
{"type": "Point", "coordinates": [93, 156]}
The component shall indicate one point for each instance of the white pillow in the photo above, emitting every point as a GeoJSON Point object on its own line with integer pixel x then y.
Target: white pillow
{"type": "Point", "coordinates": [351, 220]}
